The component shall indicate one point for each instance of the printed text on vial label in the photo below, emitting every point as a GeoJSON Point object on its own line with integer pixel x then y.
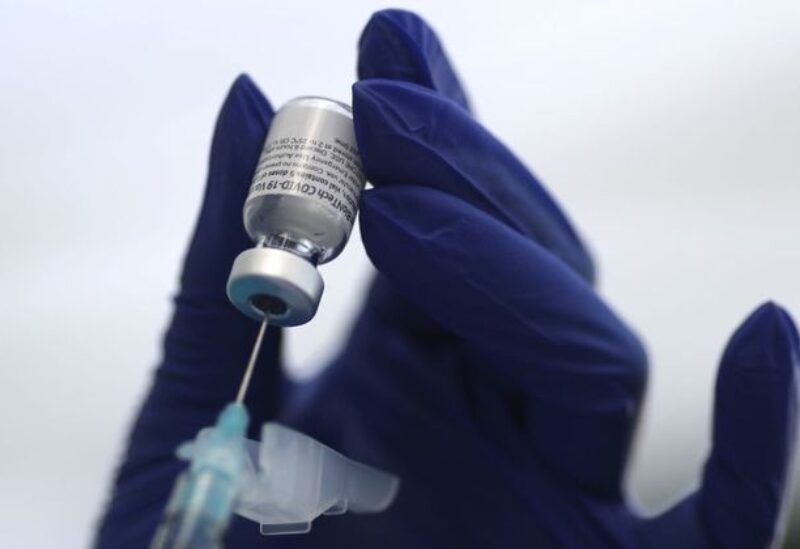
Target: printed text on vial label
{"type": "Point", "coordinates": [322, 170]}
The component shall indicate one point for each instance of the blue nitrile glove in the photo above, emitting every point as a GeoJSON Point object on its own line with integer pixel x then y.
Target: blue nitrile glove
{"type": "Point", "coordinates": [483, 369]}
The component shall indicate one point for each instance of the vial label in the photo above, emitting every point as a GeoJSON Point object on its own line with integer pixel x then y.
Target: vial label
{"type": "Point", "coordinates": [311, 152]}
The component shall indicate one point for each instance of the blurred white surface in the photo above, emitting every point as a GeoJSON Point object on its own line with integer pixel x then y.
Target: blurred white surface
{"type": "Point", "coordinates": [668, 129]}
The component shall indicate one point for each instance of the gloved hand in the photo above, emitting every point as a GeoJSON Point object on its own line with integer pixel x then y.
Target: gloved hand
{"type": "Point", "coordinates": [483, 369]}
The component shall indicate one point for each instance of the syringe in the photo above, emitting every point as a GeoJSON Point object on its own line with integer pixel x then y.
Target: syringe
{"type": "Point", "coordinates": [297, 223]}
{"type": "Point", "coordinates": [202, 500]}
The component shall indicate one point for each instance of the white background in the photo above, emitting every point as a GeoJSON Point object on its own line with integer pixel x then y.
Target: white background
{"type": "Point", "coordinates": [669, 129]}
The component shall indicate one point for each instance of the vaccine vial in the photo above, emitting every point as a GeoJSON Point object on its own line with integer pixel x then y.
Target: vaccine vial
{"type": "Point", "coordinates": [299, 211]}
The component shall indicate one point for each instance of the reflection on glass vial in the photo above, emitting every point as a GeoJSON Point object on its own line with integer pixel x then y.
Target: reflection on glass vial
{"type": "Point", "coordinates": [304, 194]}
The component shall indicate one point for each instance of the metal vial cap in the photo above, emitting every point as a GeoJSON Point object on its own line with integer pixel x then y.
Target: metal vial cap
{"type": "Point", "coordinates": [277, 284]}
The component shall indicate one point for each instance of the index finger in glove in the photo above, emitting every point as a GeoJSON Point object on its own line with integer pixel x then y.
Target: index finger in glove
{"type": "Point", "coordinates": [408, 134]}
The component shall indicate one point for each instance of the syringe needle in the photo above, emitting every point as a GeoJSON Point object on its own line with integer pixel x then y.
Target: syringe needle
{"type": "Point", "coordinates": [248, 373]}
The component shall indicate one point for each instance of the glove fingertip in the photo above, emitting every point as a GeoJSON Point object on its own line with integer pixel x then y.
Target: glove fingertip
{"type": "Point", "coordinates": [756, 393]}
{"type": "Point", "coordinates": [390, 97]}
{"type": "Point", "coordinates": [410, 134]}
{"type": "Point", "coordinates": [400, 45]}
{"type": "Point", "coordinates": [766, 340]}
{"type": "Point", "coordinates": [244, 116]}
{"type": "Point", "coordinates": [390, 118]}
{"type": "Point", "coordinates": [754, 436]}
{"type": "Point", "coordinates": [219, 235]}
{"type": "Point", "coordinates": [239, 133]}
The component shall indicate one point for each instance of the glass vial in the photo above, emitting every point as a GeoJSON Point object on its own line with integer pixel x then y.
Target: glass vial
{"type": "Point", "coordinates": [299, 211]}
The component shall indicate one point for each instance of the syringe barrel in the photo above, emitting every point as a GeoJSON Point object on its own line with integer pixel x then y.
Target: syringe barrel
{"type": "Point", "coordinates": [201, 504]}
{"type": "Point", "coordinates": [198, 512]}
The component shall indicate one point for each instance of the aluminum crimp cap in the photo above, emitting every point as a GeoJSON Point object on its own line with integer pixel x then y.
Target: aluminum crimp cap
{"type": "Point", "coordinates": [277, 284]}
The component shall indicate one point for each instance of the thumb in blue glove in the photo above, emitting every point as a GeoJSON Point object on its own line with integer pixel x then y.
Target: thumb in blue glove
{"type": "Point", "coordinates": [207, 342]}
